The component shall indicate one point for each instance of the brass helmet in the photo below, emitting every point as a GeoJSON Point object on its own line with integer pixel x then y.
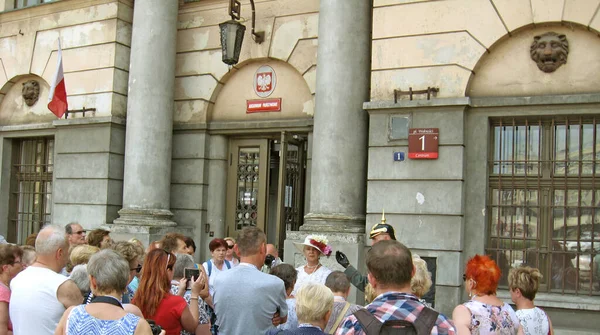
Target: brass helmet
{"type": "Point", "coordinates": [382, 228]}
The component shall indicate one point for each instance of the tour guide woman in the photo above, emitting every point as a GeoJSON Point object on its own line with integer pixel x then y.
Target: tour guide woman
{"type": "Point", "coordinates": [154, 297]}
{"type": "Point", "coordinates": [313, 248]}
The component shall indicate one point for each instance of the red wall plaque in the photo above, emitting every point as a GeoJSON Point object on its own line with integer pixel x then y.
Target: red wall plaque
{"type": "Point", "coordinates": [263, 105]}
{"type": "Point", "coordinates": [423, 143]}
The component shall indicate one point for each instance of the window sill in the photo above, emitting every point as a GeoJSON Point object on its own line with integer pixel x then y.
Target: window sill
{"type": "Point", "coordinates": [554, 300]}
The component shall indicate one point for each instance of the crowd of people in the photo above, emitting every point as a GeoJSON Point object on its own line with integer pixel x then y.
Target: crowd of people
{"type": "Point", "coordinates": [69, 281]}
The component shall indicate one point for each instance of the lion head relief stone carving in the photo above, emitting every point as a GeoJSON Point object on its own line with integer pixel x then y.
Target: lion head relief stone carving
{"type": "Point", "coordinates": [549, 51]}
{"type": "Point", "coordinates": [31, 92]}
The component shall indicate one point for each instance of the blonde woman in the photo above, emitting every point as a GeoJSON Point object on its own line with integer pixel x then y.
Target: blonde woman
{"type": "Point", "coordinates": [421, 281]}
{"type": "Point", "coordinates": [523, 283]}
{"type": "Point", "coordinates": [313, 307]}
{"type": "Point", "coordinates": [80, 254]}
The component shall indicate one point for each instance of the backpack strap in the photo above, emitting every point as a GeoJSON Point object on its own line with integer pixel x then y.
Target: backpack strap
{"type": "Point", "coordinates": [209, 265]}
{"type": "Point", "coordinates": [339, 318]}
{"type": "Point", "coordinates": [228, 264]}
{"type": "Point", "coordinates": [425, 321]}
{"type": "Point", "coordinates": [370, 324]}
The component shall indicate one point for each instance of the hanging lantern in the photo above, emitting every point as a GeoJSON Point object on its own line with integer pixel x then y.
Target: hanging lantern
{"type": "Point", "coordinates": [232, 36]}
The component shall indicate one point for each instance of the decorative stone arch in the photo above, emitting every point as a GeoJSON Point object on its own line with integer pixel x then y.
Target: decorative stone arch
{"type": "Point", "coordinates": [236, 87]}
{"type": "Point", "coordinates": [13, 107]}
{"type": "Point", "coordinates": [508, 70]}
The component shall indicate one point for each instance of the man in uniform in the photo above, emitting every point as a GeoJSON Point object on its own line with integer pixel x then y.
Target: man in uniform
{"type": "Point", "coordinates": [380, 232]}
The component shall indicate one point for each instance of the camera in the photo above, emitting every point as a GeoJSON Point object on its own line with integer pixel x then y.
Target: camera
{"type": "Point", "coordinates": [269, 260]}
{"type": "Point", "coordinates": [156, 329]}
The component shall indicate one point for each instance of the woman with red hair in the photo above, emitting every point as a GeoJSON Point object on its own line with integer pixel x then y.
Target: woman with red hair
{"type": "Point", "coordinates": [484, 313]}
{"type": "Point", "coordinates": [154, 297]}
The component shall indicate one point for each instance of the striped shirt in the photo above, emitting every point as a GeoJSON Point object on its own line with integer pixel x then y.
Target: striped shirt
{"type": "Point", "coordinates": [395, 306]}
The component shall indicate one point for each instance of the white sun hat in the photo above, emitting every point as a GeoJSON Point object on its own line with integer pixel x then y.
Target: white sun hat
{"type": "Point", "coordinates": [318, 242]}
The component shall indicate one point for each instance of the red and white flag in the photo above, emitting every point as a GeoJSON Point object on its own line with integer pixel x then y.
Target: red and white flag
{"type": "Point", "coordinates": [57, 98]}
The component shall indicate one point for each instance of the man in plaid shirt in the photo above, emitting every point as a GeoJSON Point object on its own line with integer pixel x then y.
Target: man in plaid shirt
{"type": "Point", "coordinates": [390, 270]}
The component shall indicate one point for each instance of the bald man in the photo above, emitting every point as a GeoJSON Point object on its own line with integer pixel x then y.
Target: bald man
{"type": "Point", "coordinates": [272, 258]}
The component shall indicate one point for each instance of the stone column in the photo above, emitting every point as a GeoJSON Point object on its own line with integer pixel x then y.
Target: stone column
{"type": "Point", "coordinates": [339, 157]}
{"type": "Point", "coordinates": [147, 177]}
{"type": "Point", "coordinates": [339, 153]}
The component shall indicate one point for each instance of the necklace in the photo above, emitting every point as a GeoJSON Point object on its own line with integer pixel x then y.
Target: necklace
{"type": "Point", "coordinates": [312, 268]}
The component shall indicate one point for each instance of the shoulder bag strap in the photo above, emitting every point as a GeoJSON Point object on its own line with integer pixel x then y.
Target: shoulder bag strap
{"type": "Point", "coordinates": [339, 318]}
{"type": "Point", "coordinates": [425, 321]}
{"type": "Point", "coordinates": [371, 325]}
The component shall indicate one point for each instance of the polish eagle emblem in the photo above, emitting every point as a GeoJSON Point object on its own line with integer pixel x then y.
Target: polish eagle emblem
{"type": "Point", "coordinates": [263, 82]}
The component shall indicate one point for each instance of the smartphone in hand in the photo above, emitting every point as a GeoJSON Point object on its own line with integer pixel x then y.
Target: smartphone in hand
{"type": "Point", "coordinates": [188, 273]}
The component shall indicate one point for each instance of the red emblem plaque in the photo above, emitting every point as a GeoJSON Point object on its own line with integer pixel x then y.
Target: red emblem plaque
{"type": "Point", "coordinates": [265, 81]}
{"type": "Point", "coordinates": [423, 143]}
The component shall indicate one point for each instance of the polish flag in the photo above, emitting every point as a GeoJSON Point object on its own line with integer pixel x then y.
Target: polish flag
{"type": "Point", "coordinates": [57, 98]}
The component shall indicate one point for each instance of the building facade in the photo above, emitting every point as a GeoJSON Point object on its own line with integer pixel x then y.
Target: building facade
{"type": "Point", "coordinates": [310, 131]}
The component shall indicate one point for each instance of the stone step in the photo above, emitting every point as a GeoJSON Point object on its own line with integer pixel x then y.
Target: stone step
{"type": "Point", "coordinates": [563, 331]}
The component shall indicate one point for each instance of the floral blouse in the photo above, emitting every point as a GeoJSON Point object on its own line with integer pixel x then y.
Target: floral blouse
{"type": "Point", "coordinates": [488, 319]}
{"type": "Point", "coordinates": [534, 321]}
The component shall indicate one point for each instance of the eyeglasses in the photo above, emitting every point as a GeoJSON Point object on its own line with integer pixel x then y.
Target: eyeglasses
{"type": "Point", "coordinates": [81, 232]}
{"type": "Point", "coordinates": [138, 268]}
{"type": "Point", "coordinates": [464, 277]}
{"type": "Point", "coordinates": [168, 260]}
{"type": "Point", "coordinates": [229, 246]}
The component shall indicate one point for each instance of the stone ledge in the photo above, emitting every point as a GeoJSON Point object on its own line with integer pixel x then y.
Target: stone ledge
{"type": "Point", "coordinates": [89, 121]}
{"type": "Point", "coordinates": [567, 99]}
{"type": "Point", "coordinates": [550, 300]}
{"type": "Point", "coordinates": [442, 102]}
{"type": "Point", "coordinates": [24, 127]}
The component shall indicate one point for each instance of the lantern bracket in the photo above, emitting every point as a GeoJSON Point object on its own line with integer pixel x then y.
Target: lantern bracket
{"type": "Point", "coordinates": [235, 10]}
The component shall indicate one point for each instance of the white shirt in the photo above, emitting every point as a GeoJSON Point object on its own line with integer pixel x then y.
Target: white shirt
{"type": "Point", "coordinates": [34, 307]}
{"type": "Point", "coordinates": [213, 274]}
{"type": "Point", "coordinates": [533, 320]}
{"type": "Point", "coordinates": [318, 276]}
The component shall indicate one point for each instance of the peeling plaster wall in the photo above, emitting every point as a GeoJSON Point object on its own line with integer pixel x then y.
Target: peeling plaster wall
{"type": "Point", "coordinates": [290, 28]}
{"type": "Point", "coordinates": [95, 37]}
{"type": "Point", "coordinates": [440, 44]}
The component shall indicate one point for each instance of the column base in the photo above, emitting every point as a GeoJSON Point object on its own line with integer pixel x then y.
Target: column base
{"type": "Point", "coordinates": [146, 225]}
{"type": "Point", "coordinates": [340, 223]}
{"type": "Point", "coordinates": [351, 244]}
{"type": "Point", "coordinates": [145, 217]}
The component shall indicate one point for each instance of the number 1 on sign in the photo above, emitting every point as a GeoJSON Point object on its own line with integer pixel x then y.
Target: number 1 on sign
{"type": "Point", "coordinates": [422, 139]}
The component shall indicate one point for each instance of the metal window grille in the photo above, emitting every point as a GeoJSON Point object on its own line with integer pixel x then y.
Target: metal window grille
{"type": "Point", "coordinates": [544, 202]}
{"type": "Point", "coordinates": [27, 3]}
{"type": "Point", "coordinates": [32, 171]}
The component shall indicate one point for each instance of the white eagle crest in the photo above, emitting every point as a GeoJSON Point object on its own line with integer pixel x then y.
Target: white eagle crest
{"type": "Point", "coordinates": [264, 81]}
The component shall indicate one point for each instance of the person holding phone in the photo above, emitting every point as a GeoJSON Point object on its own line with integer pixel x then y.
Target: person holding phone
{"type": "Point", "coordinates": [154, 297]}
{"type": "Point", "coordinates": [181, 285]}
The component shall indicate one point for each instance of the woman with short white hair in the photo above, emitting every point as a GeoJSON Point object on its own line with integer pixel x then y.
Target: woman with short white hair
{"type": "Point", "coordinates": [313, 307]}
{"type": "Point", "coordinates": [109, 275]}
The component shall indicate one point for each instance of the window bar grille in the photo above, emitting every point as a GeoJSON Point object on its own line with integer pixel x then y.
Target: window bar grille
{"type": "Point", "coordinates": [33, 177]}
